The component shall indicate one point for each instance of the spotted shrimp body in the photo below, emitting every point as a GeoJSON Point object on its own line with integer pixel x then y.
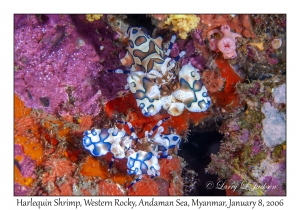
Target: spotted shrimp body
{"type": "Point", "coordinates": [101, 141]}
{"type": "Point", "coordinates": [150, 68]}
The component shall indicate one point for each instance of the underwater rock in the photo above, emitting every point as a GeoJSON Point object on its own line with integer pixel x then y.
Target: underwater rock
{"type": "Point", "coordinates": [279, 94]}
{"type": "Point", "coordinates": [274, 126]}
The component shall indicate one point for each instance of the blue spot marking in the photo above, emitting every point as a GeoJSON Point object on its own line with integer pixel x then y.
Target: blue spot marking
{"type": "Point", "coordinates": [175, 138]}
{"type": "Point", "coordinates": [87, 141]}
{"type": "Point", "coordinates": [204, 94]}
{"type": "Point", "coordinates": [96, 151]}
{"type": "Point", "coordinates": [148, 156]}
{"type": "Point", "coordinates": [134, 31]}
{"type": "Point", "coordinates": [208, 103]}
{"type": "Point", "coordinates": [94, 133]}
{"type": "Point", "coordinates": [142, 105]}
{"type": "Point", "coordinates": [115, 134]}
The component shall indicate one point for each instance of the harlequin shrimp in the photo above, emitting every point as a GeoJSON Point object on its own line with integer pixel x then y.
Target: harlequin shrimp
{"type": "Point", "coordinates": [161, 143]}
{"type": "Point", "coordinates": [101, 141]}
{"type": "Point", "coordinates": [151, 68]}
{"type": "Point", "coordinates": [192, 94]}
{"type": "Point", "coordinates": [148, 69]}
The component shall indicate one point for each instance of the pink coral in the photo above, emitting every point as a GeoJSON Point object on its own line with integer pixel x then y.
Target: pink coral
{"type": "Point", "coordinates": [223, 41]}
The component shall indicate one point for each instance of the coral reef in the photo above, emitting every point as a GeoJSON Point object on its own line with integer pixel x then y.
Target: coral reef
{"type": "Point", "coordinates": [253, 151]}
{"type": "Point", "coordinates": [82, 127]}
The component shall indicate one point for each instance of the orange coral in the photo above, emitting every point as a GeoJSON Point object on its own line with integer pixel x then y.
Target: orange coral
{"type": "Point", "coordinates": [146, 186]}
{"type": "Point", "coordinates": [18, 178]}
{"type": "Point", "coordinates": [67, 118]}
{"type": "Point", "coordinates": [85, 123]}
{"type": "Point", "coordinates": [60, 167]}
{"type": "Point", "coordinates": [72, 153]}
{"type": "Point", "coordinates": [171, 171]}
{"type": "Point", "coordinates": [23, 125]}
{"type": "Point", "coordinates": [85, 192]}
{"type": "Point", "coordinates": [93, 168]}
{"type": "Point", "coordinates": [19, 108]}
{"type": "Point", "coordinates": [167, 167]}
{"type": "Point", "coordinates": [66, 189]}
{"type": "Point", "coordinates": [32, 147]}
{"type": "Point", "coordinates": [107, 188]}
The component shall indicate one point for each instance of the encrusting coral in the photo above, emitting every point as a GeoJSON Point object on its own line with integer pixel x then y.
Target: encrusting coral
{"type": "Point", "coordinates": [182, 24]}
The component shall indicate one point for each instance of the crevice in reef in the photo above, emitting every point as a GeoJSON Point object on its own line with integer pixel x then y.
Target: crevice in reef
{"type": "Point", "coordinates": [142, 21]}
{"type": "Point", "coordinates": [196, 152]}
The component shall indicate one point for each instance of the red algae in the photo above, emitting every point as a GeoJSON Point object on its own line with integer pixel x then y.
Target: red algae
{"type": "Point", "coordinates": [228, 97]}
{"type": "Point", "coordinates": [140, 122]}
